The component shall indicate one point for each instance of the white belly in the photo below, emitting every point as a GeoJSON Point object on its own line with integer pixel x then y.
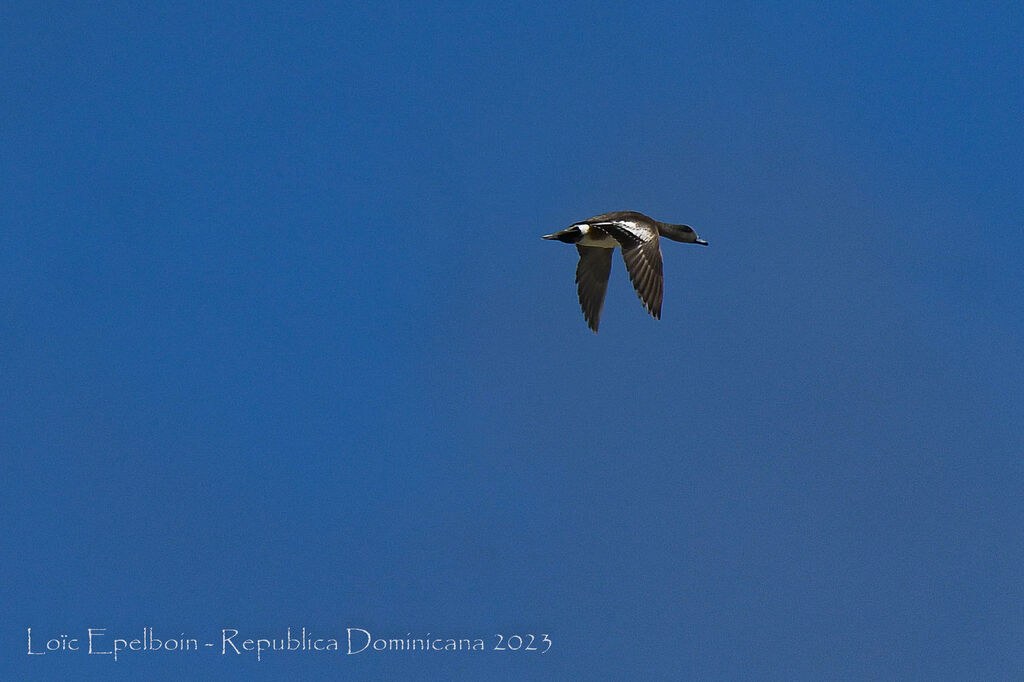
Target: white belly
{"type": "Point", "coordinates": [593, 236]}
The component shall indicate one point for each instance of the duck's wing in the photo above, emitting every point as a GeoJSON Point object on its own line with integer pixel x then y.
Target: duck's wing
{"type": "Point", "coordinates": [642, 252]}
{"type": "Point", "coordinates": [592, 281]}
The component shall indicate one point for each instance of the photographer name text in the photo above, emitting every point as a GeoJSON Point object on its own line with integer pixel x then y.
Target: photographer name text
{"type": "Point", "coordinates": [231, 641]}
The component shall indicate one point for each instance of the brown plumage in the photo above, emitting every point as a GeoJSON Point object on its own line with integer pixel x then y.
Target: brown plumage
{"type": "Point", "coordinates": [638, 237]}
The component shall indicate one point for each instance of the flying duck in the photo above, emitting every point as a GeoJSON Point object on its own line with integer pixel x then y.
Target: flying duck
{"type": "Point", "coordinates": [595, 238]}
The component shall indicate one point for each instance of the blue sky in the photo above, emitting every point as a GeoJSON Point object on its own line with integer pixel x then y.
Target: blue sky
{"type": "Point", "coordinates": [282, 346]}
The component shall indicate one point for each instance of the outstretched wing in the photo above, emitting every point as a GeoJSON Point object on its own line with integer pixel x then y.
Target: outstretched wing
{"type": "Point", "coordinates": [592, 281]}
{"type": "Point", "coordinates": [642, 252]}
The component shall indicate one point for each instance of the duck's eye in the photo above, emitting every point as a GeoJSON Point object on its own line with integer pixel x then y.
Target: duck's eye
{"type": "Point", "coordinates": [687, 228]}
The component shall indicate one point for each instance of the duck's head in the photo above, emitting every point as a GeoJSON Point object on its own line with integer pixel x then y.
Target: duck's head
{"type": "Point", "coordinates": [681, 233]}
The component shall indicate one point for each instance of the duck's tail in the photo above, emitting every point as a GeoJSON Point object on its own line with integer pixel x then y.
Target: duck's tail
{"type": "Point", "coordinates": [569, 236]}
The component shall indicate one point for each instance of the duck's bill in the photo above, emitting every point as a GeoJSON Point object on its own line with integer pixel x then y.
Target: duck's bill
{"type": "Point", "coordinates": [702, 242]}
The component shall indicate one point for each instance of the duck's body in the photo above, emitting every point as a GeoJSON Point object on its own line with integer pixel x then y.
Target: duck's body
{"type": "Point", "coordinates": [638, 236]}
{"type": "Point", "coordinates": [594, 236]}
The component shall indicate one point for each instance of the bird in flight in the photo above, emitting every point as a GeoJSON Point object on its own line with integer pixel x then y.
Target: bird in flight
{"type": "Point", "coordinates": [595, 238]}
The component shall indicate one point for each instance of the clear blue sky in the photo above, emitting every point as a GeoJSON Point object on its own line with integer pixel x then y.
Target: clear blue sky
{"type": "Point", "coordinates": [281, 344]}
